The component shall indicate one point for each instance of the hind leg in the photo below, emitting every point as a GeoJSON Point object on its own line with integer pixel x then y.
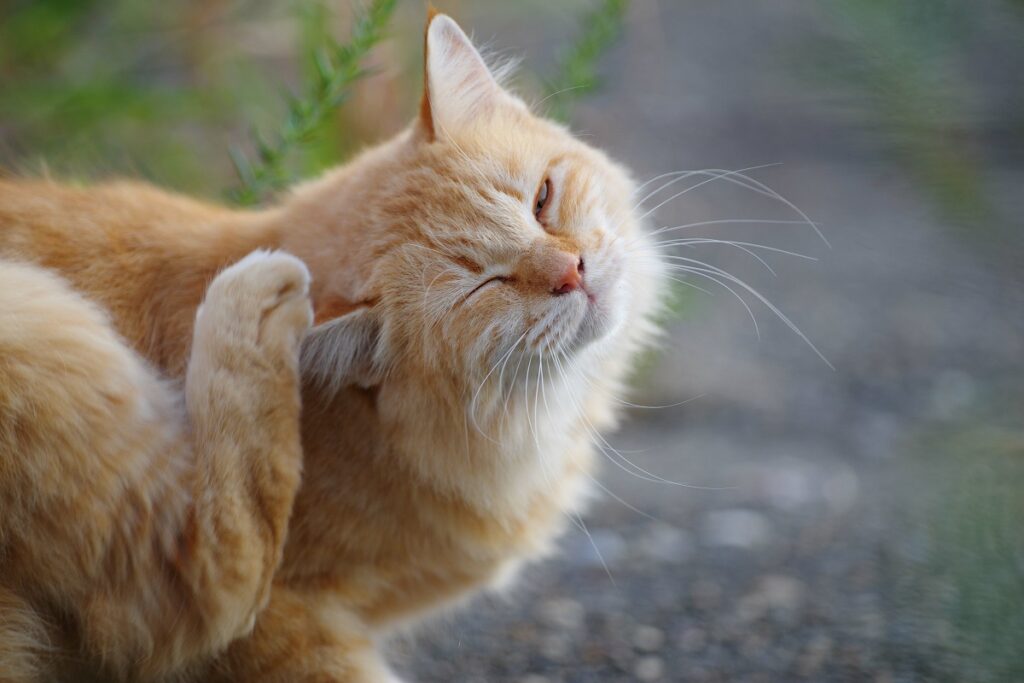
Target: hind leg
{"type": "Point", "coordinates": [303, 637]}
{"type": "Point", "coordinates": [93, 451]}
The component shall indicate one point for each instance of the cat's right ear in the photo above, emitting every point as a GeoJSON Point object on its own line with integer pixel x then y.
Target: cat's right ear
{"type": "Point", "coordinates": [345, 351]}
{"type": "Point", "coordinates": [457, 85]}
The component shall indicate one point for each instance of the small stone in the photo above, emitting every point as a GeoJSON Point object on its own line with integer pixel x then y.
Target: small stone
{"type": "Point", "coordinates": [692, 639]}
{"type": "Point", "coordinates": [736, 528]}
{"type": "Point", "coordinates": [773, 593]}
{"type": "Point", "coordinates": [753, 645]}
{"type": "Point", "coordinates": [562, 613]}
{"type": "Point", "coordinates": [555, 647]}
{"type": "Point", "coordinates": [840, 490]}
{"type": "Point", "coordinates": [648, 638]}
{"type": "Point", "coordinates": [601, 548]}
{"type": "Point", "coordinates": [665, 543]}
{"type": "Point", "coordinates": [649, 668]}
{"type": "Point", "coordinates": [815, 656]}
{"type": "Point", "coordinates": [788, 487]}
{"type": "Point", "coordinates": [706, 594]}
{"type": "Point", "coordinates": [781, 592]}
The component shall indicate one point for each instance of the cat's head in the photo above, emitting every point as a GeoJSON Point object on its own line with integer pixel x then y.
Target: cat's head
{"type": "Point", "coordinates": [480, 236]}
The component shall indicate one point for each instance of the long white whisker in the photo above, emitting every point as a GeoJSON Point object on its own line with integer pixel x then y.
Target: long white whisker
{"type": "Point", "coordinates": [717, 176]}
{"type": "Point", "coordinates": [607, 448]}
{"type": "Point", "coordinates": [753, 245]}
{"type": "Point", "coordinates": [722, 221]}
{"type": "Point", "coordinates": [683, 175]}
{"type": "Point", "coordinates": [700, 273]}
{"type": "Point", "coordinates": [473, 404]}
{"type": "Point", "coordinates": [772, 307]}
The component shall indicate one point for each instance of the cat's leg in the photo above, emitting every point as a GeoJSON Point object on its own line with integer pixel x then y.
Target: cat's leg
{"type": "Point", "coordinates": [155, 526]}
{"type": "Point", "coordinates": [304, 637]}
{"type": "Point", "coordinates": [242, 400]}
{"type": "Point", "coordinates": [242, 411]}
{"type": "Point", "coordinates": [88, 435]}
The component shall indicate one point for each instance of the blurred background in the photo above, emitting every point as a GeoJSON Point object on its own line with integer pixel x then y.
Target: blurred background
{"type": "Point", "coordinates": [860, 522]}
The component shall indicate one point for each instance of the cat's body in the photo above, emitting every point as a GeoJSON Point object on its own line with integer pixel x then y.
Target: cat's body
{"type": "Point", "coordinates": [432, 465]}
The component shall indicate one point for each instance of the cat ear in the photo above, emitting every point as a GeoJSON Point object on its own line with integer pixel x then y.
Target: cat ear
{"type": "Point", "coordinates": [344, 351]}
{"type": "Point", "coordinates": [457, 85]}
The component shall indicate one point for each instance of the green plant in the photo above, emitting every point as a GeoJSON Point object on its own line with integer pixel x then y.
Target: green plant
{"type": "Point", "coordinates": [577, 73]}
{"type": "Point", "coordinates": [337, 67]}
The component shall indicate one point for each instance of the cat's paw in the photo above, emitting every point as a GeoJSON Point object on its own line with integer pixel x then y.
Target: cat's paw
{"type": "Point", "coordinates": [264, 297]}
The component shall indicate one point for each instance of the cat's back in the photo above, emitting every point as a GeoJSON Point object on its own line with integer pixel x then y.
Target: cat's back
{"type": "Point", "coordinates": [51, 221]}
{"type": "Point", "coordinates": [141, 253]}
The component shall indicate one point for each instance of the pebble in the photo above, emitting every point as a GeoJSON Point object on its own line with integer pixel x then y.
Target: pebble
{"type": "Point", "coordinates": [649, 668]}
{"type": "Point", "coordinates": [840, 490]}
{"type": "Point", "coordinates": [556, 648]}
{"type": "Point", "coordinates": [603, 547]}
{"type": "Point", "coordinates": [737, 528]}
{"type": "Point", "coordinates": [789, 486]}
{"type": "Point", "coordinates": [773, 593]}
{"type": "Point", "coordinates": [815, 655]}
{"type": "Point", "coordinates": [692, 639]}
{"type": "Point", "coordinates": [648, 638]}
{"type": "Point", "coordinates": [562, 613]}
{"type": "Point", "coordinates": [706, 594]}
{"type": "Point", "coordinates": [665, 543]}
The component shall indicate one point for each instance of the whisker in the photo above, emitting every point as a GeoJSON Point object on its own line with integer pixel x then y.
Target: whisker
{"type": "Point", "coordinates": [473, 404]}
{"type": "Point", "coordinates": [699, 272]}
{"type": "Point", "coordinates": [715, 175]}
{"type": "Point", "coordinates": [772, 307]}
{"type": "Point", "coordinates": [683, 175]}
{"type": "Point", "coordinates": [606, 448]}
{"type": "Point", "coordinates": [722, 221]}
{"type": "Point", "coordinates": [662, 407]}
{"type": "Point", "coordinates": [753, 245]}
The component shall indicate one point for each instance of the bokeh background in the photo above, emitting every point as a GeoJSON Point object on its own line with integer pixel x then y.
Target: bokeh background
{"type": "Point", "coordinates": [860, 522]}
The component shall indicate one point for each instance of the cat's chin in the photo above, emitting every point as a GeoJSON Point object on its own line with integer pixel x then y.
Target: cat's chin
{"type": "Point", "coordinates": [602, 320]}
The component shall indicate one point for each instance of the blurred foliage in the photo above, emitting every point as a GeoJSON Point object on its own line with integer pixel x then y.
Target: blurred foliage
{"type": "Point", "coordinates": [911, 65]}
{"type": "Point", "coordinates": [337, 66]}
{"type": "Point", "coordinates": [577, 72]}
{"type": "Point", "coordinates": [163, 90]}
{"type": "Point", "coordinates": [960, 595]}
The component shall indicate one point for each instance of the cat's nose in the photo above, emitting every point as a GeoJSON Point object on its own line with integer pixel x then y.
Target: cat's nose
{"type": "Point", "coordinates": [567, 274]}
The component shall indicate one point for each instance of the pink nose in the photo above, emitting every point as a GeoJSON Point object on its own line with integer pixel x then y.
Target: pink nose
{"type": "Point", "coordinates": [567, 275]}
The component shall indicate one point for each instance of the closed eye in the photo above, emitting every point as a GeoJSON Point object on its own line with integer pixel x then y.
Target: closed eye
{"type": "Point", "coordinates": [497, 279]}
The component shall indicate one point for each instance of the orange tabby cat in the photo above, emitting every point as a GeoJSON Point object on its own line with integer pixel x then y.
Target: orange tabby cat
{"type": "Point", "coordinates": [479, 294]}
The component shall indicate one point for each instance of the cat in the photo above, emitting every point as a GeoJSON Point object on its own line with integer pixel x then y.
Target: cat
{"type": "Point", "coordinates": [479, 286]}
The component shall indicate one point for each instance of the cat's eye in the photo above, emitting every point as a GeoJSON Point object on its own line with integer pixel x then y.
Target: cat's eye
{"type": "Point", "coordinates": [497, 279]}
{"type": "Point", "coordinates": [543, 194]}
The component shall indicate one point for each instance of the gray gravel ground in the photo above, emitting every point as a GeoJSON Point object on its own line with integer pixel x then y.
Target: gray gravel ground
{"type": "Point", "coordinates": [799, 560]}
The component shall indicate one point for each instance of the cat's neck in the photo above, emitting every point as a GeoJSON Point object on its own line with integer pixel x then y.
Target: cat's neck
{"type": "Point", "coordinates": [493, 458]}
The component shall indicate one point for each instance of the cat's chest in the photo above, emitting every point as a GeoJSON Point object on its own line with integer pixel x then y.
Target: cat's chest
{"type": "Point", "coordinates": [395, 546]}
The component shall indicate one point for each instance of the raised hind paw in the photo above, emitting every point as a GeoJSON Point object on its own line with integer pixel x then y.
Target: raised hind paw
{"type": "Point", "coordinates": [263, 301]}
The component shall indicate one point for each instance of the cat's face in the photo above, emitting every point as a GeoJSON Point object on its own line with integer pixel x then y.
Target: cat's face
{"type": "Point", "coordinates": [498, 235]}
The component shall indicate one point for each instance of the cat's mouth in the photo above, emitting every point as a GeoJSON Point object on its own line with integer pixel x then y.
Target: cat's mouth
{"type": "Point", "coordinates": [590, 313]}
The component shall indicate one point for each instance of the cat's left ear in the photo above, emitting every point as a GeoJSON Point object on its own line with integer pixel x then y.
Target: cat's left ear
{"type": "Point", "coordinates": [345, 350]}
{"type": "Point", "coordinates": [457, 85]}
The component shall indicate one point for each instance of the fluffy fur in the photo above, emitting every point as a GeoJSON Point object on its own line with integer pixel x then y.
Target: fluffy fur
{"type": "Point", "coordinates": [152, 524]}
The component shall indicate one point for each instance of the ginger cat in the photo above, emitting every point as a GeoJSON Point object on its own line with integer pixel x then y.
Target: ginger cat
{"type": "Point", "coordinates": [480, 284]}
